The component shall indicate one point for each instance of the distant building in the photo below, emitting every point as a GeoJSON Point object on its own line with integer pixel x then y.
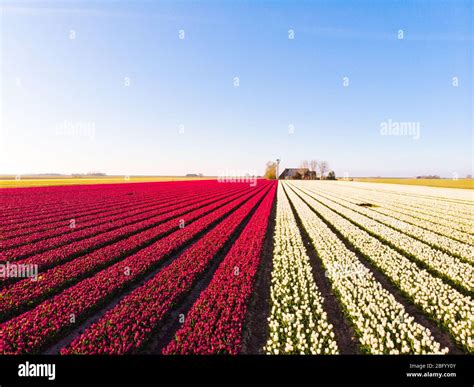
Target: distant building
{"type": "Point", "coordinates": [297, 174]}
{"type": "Point", "coordinates": [429, 177]}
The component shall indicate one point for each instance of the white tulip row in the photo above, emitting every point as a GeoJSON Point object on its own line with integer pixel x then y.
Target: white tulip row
{"type": "Point", "coordinates": [381, 323]}
{"type": "Point", "coordinates": [297, 323]}
{"type": "Point", "coordinates": [433, 233]}
{"type": "Point", "coordinates": [444, 304]}
{"type": "Point", "coordinates": [453, 230]}
{"type": "Point", "coordinates": [448, 213]}
{"type": "Point", "coordinates": [437, 194]}
{"type": "Point", "coordinates": [459, 272]}
{"type": "Point", "coordinates": [447, 231]}
{"type": "Point", "coordinates": [447, 207]}
{"type": "Point", "coordinates": [464, 251]}
{"type": "Point", "coordinates": [448, 218]}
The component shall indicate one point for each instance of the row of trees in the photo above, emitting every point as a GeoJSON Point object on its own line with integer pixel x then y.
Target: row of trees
{"type": "Point", "coordinates": [321, 167]}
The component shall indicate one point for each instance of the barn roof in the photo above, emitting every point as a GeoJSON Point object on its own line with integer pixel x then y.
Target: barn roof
{"type": "Point", "coordinates": [293, 171]}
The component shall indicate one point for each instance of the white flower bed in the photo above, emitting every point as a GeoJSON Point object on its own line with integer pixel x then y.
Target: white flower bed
{"type": "Point", "coordinates": [462, 196]}
{"type": "Point", "coordinates": [440, 301]}
{"type": "Point", "coordinates": [381, 323]}
{"type": "Point", "coordinates": [459, 272]}
{"type": "Point", "coordinates": [431, 233]}
{"type": "Point", "coordinates": [450, 214]}
{"type": "Point", "coordinates": [297, 323]}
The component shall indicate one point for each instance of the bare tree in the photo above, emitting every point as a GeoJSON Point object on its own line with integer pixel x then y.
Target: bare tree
{"type": "Point", "coordinates": [305, 164]}
{"type": "Point", "coordinates": [323, 168]}
{"type": "Point", "coordinates": [313, 164]}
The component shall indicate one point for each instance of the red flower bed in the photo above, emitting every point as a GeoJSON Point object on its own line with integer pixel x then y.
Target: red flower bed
{"type": "Point", "coordinates": [27, 293]}
{"type": "Point", "coordinates": [73, 250]}
{"type": "Point", "coordinates": [109, 224]}
{"type": "Point", "coordinates": [47, 202]}
{"type": "Point", "coordinates": [128, 326]}
{"type": "Point", "coordinates": [57, 210]}
{"type": "Point", "coordinates": [36, 208]}
{"type": "Point", "coordinates": [83, 216]}
{"type": "Point", "coordinates": [214, 323]}
{"type": "Point", "coordinates": [62, 227]}
{"type": "Point", "coordinates": [32, 331]}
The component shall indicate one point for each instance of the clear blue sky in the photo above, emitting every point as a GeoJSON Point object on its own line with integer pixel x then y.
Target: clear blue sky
{"type": "Point", "coordinates": [51, 82]}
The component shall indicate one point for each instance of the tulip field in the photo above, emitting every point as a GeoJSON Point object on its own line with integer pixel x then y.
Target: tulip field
{"type": "Point", "coordinates": [209, 267]}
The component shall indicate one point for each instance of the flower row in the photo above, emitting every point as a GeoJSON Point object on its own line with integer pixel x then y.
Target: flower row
{"type": "Point", "coordinates": [215, 322]}
{"type": "Point", "coordinates": [129, 325]}
{"type": "Point", "coordinates": [72, 231]}
{"type": "Point", "coordinates": [82, 217]}
{"type": "Point", "coordinates": [32, 331]}
{"type": "Point", "coordinates": [50, 259]}
{"type": "Point", "coordinates": [460, 273]}
{"type": "Point", "coordinates": [27, 293]}
{"type": "Point", "coordinates": [394, 209]}
{"type": "Point", "coordinates": [298, 323]}
{"type": "Point", "coordinates": [440, 301]}
{"type": "Point", "coordinates": [42, 204]}
{"type": "Point", "coordinates": [106, 225]}
{"type": "Point", "coordinates": [453, 213]}
{"type": "Point", "coordinates": [381, 323]}
{"type": "Point", "coordinates": [442, 242]}
{"type": "Point", "coordinates": [91, 199]}
{"type": "Point", "coordinates": [66, 252]}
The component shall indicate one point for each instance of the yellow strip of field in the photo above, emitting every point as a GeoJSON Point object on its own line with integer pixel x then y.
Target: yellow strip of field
{"type": "Point", "coordinates": [13, 183]}
{"type": "Point", "coordinates": [443, 183]}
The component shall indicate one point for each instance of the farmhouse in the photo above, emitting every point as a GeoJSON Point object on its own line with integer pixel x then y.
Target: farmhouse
{"type": "Point", "coordinates": [297, 174]}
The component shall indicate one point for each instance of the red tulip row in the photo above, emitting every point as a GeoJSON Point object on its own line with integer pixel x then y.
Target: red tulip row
{"type": "Point", "coordinates": [55, 205]}
{"type": "Point", "coordinates": [46, 245]}
{"type": "Point", "coordinates": [31, 201]}
{"type": "Point", "coordinates": [82, 215]}
{"type": "Point", "coordinates": [127, 327]}
{"type": "Point", "coordinates": [95, 226]}
{"type": "Point", "coordinates": [51, 258]}
{"type": "Point", "coordinates": [86, 220]}
{"type": "Point", "coordinates": [214, 323]}
{"type": "Point", "coordinates": [27, 293]}
{"type": "Point", "coordinates": [55, 202]}
{"type": "Point", "coordinates": [25, 197]}
{"type": "Point", "coordinates": [32, 331]}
